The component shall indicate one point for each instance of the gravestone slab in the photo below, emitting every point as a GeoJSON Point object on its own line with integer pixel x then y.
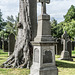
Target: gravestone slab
{"type": "Point", "coordinates": [11, 44]}
{"type": "Point", "coordinates": [69, 46]}
{"type": "Point", "coordinates": [73, 45]}
{"type": "Point", "coordinates": [5, 46]}
{"type": "Point", "coordinates": [59, 47]}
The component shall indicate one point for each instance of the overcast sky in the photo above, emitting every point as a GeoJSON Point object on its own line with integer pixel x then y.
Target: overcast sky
{"type": "Point", "coordinates": [56, 9]}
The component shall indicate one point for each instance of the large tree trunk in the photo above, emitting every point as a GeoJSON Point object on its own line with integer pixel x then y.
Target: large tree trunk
{"type": "Point", "coordinates": [22, 55]}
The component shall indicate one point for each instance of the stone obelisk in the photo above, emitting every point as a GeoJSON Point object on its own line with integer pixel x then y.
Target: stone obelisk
{"type": "Point", "coordinates": [43, 46]}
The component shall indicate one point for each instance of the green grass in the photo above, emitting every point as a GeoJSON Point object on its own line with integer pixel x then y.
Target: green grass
{"type": "Point", "coordinates": [3, 56]}
{"type": "Point", "coordinates": [73, 53]}
{"type": "Point", "coordinates": [64, 67]}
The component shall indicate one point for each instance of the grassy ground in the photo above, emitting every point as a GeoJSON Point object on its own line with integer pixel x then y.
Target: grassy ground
{"type": "Point", "coordinates": [64, 67]}
{"type": "Point", "coordinates": [73, 53]}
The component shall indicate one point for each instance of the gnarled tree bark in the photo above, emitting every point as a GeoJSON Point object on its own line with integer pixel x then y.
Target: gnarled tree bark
{"type": "Point", "coordinates": [22, 55]}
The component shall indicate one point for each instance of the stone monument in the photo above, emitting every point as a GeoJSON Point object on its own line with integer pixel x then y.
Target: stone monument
{"type": "Point", "coordinates": [65, 53]}
{"type": "Point", "coordinates": [5, 46]}
{"type": "Point", "coordinates": [43, 46]}
{"type": "Point", "coordinates": [73, 45]}
{"type": "Point", "coordinates": [69, 46]}
{"type": "Point", "coordinates": [59, 47]}
{"type": "Point", "coordinates": [11, 43]}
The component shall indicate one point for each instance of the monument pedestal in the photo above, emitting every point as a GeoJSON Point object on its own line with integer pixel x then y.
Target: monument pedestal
{"type": "Point", "coordinates": [43, 59]}
{"type": "Point", "coordinates": [65, 56]}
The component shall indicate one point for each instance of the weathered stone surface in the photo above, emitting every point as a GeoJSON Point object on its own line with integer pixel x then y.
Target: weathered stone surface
{"type": "Point", "coordinates": [43, 30]}
{"type": "Point", "coordinates": [59, 47]}
{"type": "Point", "coordinates": [69, 47]}
{"type": "Point", "coordinates": [11, 44]}
{"type": "Point", "coordinates": [36, 55]}
{"type": "Point", "coordinates": [65, 53]}
{"type": "Point", "coordinates": [46, 64]}
{"type": "Point", "coordinates": [47, 57]}
{"type": "Point", "coordinates": [5, 46]}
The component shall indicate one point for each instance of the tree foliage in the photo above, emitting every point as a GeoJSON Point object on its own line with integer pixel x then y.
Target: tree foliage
{"type": "Point", "coordinates": [11, 25]}
{"type": "Point", "coordinates": [8, 26]}
{"type": "Point", "coordinates": [69, 23]}
{"type": "Point", "coordinates": [56, 29]}
{"type": "Point", "coordinates": [70, 28]}
{"type": "Point", "coordinates": [70, 14]}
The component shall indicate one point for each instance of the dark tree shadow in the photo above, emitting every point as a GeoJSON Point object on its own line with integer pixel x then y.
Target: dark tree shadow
{"type": "Point", "coordinates": [64, 64]}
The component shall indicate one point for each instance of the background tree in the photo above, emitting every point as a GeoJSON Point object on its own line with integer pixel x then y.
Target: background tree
{"type": "Point", "coordinates": [11, 25]}
{"type": "Point", "coordinates": [70, 14]}
{"type": "Point", "coordinates": [8, 27]}
{"type": "Point", "coordinates": [70, 28]}
{"type": "Point", "coordinates": [53, 27]}
{"type": "Point", "coordinates": [2, 25]}
{"type": "Point", "coordinates": [56, 29]}
{"type": "Point", "coordinates": [69, 22]}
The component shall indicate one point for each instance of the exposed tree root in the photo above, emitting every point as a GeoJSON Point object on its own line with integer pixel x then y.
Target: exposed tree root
{"type": "Point", "coordinates": [18, 61]}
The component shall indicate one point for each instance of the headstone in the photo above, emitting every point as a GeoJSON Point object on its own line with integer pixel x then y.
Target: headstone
{"type": "Point", "coordinates": [59, 47]}
{"type": "Point", "coordinates": [11, 44]}
{"type": "Point", "coordinates": [0, 43]}
{"type": "Point", "coordinates": [43, 46]}
{"type": "Point", "coordinates": [65, 53]}
{"type": "Point", "coordinates": [69, 47]}
{"type": "Point", "coordinates": [73, 45]}
{"type": "Point", "coordinates": [5, 46]}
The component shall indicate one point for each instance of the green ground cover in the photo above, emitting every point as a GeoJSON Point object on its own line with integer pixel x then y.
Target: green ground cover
{"type": "Point", "coordinates": [73, 53]}
{"type": "Point", "coordinates": [64, 67]}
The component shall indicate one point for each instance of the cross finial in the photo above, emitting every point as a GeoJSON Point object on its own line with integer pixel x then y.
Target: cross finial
{"type": "Point", "coordinates": [43, 8]}
{"type": "Point", "coordinates": [65, 35]}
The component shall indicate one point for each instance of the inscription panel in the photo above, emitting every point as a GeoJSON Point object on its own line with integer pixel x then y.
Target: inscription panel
{"type": "Point", "coordinates": [47, 57]}
{"type": "Point", "coordinates": [36, 55]}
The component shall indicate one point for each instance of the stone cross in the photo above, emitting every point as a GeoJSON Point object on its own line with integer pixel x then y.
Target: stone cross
{"type": "Point", "coordinates": [65, 39]}
{"type": "Point", "coordinates": [43, 7]}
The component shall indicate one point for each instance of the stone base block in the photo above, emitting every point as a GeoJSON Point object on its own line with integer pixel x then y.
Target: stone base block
{"type": "Point", "coordinates": [45, 71]}
{"type": "Point", "coordinates": [65, 56]}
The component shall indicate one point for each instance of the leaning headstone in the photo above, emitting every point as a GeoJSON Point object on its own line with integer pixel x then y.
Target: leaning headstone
{"type": "Point", "coordinates": [65, 53]}
{"type": "Point", "coordinates": [59, 47]}
{"type": "Point", "coordinates": [11, 44]}
{"type": "Point", "coordinates": [43, 46]}
{"type": "Point", "coordinates": [0, 43]}
{"type": "Point", "coordinates": [5, 46]}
